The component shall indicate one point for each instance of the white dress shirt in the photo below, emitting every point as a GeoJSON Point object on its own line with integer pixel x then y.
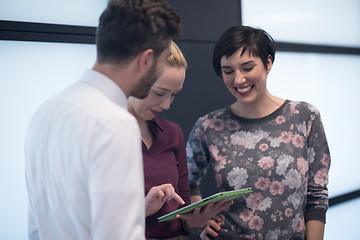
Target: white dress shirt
{"type": "Point", "coordinates": [84, 169]}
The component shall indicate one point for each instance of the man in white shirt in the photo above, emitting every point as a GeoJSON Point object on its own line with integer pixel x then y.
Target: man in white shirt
{"type": "Point", "coordinates": [83, 155]}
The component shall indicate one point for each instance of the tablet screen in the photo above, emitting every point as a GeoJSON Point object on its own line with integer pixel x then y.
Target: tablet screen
{"type": "Point", "coordinates": [229, 195]}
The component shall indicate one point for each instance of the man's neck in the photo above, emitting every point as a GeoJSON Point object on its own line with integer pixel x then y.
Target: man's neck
{"type": "Point", "coordinates": [119, 74]}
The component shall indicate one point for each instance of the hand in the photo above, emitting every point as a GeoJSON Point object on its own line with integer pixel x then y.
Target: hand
{"type": "Point", "coordinates": [211, 229]}
{"type": "Point", "coordinates": [200, 217]}
{"type": "Point", "coordinates": [158, 195]}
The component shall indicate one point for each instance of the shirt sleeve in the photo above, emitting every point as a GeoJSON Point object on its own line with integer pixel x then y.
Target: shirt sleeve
{"type": "Point", "coordinates": [184, 190]}
{"type": "Point", "coordinates": [319, 163]}
{"type": "Point", "coordinates": [197, 157]}
{"type": "Point", "coordinates": [183, 169]}
{"type": "Point", "coordinates": [116, 182]}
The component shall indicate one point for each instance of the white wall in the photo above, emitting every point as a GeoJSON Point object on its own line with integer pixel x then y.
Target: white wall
{"type": "Point", "coordinates": [30, 73]}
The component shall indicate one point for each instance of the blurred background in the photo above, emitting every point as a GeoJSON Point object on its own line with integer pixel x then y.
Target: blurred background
{"type": "Point", "coordinates": [45, 45]}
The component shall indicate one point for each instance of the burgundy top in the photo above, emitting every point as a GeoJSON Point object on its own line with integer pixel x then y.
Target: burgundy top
{"type": "Point", "coordinates": [165, 162]}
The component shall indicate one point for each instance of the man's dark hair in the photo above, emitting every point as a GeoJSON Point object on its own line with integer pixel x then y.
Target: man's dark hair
{"type": "Point", "coordinates": [255, 41]}
{"type": "Point", "coordinates": [128, 27]}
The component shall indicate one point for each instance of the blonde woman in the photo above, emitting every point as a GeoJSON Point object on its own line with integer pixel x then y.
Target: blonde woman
{"type": "Point", "coordinates": [164, 155]}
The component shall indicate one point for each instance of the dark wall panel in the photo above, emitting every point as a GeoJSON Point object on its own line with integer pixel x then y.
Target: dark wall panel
{"type": "Point", "coordinates": [203, 90]}
{"type": "Point", "coordinates": [205, 20]}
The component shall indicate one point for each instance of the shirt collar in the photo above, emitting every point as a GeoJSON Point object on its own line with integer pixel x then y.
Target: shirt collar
{"type": "Point", "coordinates": [106, 85]}
{"type": "Point", "coordinates": [155, 124]}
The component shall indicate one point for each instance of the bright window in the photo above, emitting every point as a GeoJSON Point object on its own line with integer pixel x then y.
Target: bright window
{"type": "Point", "coordinates": [307, 21]}
{"type": "Point", "coordinates": [30, 74]}
{"type": "Point", "coordinates": [70, 12]}
{"type": "Point", "coordinates": [330, 83]}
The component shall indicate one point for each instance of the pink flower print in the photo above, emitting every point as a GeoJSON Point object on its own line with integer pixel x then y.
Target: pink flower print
{"type": "Point", "coordinates": [321, 177]}
{"type": "Point", "coordinates": [262, 183]}
{"type": "Point", "coordinates": [217, 124]}
{"type": "Point", "coordinates": [214, 150]}
{"type": "Point", "coordinates": [216, 115]}
{"type": "Point", "coordinates": [276, 187]}
{"type": "Point", "coordinates": [280, 119]}
{"type": "Point", "coordinates": [308, 128]}
{"type": "Point", "coordinates": [266, 204]}
{"type": "Point", "coordinates": [237, 177]}
{"type": "Point", "coordinates": [253, 200]}
{"type": "Point", "coordinates": [263, 147]}
{"type": "Point", "coordinates": [256, 223]}
{"type": "Point", "coordinates": [266, 162]}
{"type": "Point", "coordinates": [246, 215]}
{"type": "Point", "coordinates": [326, 160]}
{"type": "Point", "coordinates": [288, 212]}
{"type": "Point", "coordinates": [293, 110]}
{"type": "Point", "coordinates": [199, 134]}
{"type": "Point", "coordinates": [292, 179]}
{"type": "Point", "coordinates": [298, 141]}
{"type": "Point", "coordinates": [205, 124]}
{"type": "Point", "coordinates": [286, 137]}
{"type": "Point", "coordinates": [300, 226]}
{"type": "Point", "coordinates": [302, 165]}
{"type": "Point", "coordinates": [277, 215]}
{"type": "Point", "coordinates": [218, 179]}
{"type": "Point", "coordinates": [231, 124]}
{"type": "Point", "coordinates": [250, 159]}
{"type": "Point", "coordinates": [219, 163]}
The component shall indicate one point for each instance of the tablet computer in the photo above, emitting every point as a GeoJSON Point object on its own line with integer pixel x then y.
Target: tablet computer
{"type": "Point", "coordinates": [227, 196]}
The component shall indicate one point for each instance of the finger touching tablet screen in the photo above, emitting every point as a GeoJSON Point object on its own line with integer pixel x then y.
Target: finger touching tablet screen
{"type": "Point", "coordinates": [227, 196]}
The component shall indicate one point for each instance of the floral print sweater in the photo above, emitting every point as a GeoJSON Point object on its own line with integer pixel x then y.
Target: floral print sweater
{"type": "Point", "coordinates": [284, 157]}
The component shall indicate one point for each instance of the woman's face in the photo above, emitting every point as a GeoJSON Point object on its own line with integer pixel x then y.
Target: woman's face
{"type": "Point", "coordinates": [161, 94]}
{"type": "Point", "coordinates": [245, 76]}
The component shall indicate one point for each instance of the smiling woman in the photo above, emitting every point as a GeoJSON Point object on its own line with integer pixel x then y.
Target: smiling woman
{"type": "Point", "coordinates": [267, 151]}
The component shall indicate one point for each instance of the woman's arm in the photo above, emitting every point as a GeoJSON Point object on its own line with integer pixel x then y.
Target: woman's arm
{"type": "Point", "coordinates": [195, 198]}
{"type": "Point", "coordinates": [319, 164]}
{"type": "Point", "coordinates": [315, 230]}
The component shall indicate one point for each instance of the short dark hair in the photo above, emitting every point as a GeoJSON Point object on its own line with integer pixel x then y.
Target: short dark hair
{"type": "Point", "coordinates": [256, 41]}
{"type": "Point", "coordinates": [128, 27]}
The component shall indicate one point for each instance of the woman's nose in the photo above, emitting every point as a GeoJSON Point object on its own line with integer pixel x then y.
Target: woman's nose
{"type": "Point", "coordinates": [165, 104]}
{"type": "Point", "coordinates": [239, 78]}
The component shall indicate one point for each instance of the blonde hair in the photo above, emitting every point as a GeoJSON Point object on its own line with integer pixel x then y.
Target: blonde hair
{"type": "Point", "coordinates": [176, 58]}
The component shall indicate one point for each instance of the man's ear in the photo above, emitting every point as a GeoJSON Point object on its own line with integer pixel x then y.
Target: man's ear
{"type": "Point", "coordinates": [145, 59]}
{"type": "Point", "coordinates": [269, 64]}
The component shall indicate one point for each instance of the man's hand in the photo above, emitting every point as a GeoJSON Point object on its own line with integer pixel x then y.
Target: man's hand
{"type": "Point", "coordinates": [158, 195]}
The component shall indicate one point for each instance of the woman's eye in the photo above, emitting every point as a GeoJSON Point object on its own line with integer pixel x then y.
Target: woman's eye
{"type": "Point", "coordinates": [248, 69]}
{"type": "Point", "coordinates": [159, 94]}
{"type": "Point", "coordinates": [228, 72]}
